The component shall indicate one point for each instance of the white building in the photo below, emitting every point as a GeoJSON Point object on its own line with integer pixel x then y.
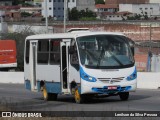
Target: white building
{"type": "Point", "coordinates": [154, 1]}
{"type": "Point", "coordinates": [72, 3]}
{"type": "Point", "coordinates": [151, 10]}
{"type": "Point", "coordinates": [114, 16]}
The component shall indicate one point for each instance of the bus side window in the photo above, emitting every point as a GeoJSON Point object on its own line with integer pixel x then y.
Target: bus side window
{"type": "Point", "coordinates": [55, 52]}
{"type": "Point", "coordinates": [43, 52]}
{"type": "Point", "coordinates": [27, 51]}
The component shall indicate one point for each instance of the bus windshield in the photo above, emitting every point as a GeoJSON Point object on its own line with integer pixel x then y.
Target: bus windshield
{"type": "Point", "coordinates": [105, 51]}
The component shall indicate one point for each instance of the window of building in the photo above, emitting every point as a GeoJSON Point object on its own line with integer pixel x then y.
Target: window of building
{"type": "Point", "coordinates": [27, 51]}
{"type": "Point", "coordinates": [59, 0]}
{"type": "Point", "coordinates": [73, 0]}
{"type": "Point", "coordinates": [140, 8]}
{"type": "Point", "coordinates": [68, 0]}
{"type": "Point", "coordinates": [54, 8]}
{"type": "Point", "coordinates": [151, 8]}
{"type": "Point", "coordinates": [43, 52]}
{"type": "Point", "coordinates": [50, 0]}
{"type": "Point", "coordinates": [59, 8]}
{"type": "Point", "coordinates": [54, 0]}
{"type": "Point", "coordinates": [50, 8]}
{"type": "Point", "coordinates": [55, 52]}
{"type": "Point", "coordinates": [146, 8]}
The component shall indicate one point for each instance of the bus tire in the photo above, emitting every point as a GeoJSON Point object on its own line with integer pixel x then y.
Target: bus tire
{"type": "Point", "coordinates": [124, 96]}
{"type": "Point", "coordinates": [78, 97]}
{"type": "Point", "coordinates": [52, 96]}
{"type": "Point", "coordinates": [45, 94]}
{"type": "Point", "coordinates": [48, 96]}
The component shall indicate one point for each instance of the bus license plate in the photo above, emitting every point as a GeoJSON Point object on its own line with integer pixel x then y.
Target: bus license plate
{"type": "Point", "coordinates": [112, 87]}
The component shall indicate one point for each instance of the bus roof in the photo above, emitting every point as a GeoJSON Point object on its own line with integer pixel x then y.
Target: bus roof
{"type": "Point", "coordinates": [70, 35]}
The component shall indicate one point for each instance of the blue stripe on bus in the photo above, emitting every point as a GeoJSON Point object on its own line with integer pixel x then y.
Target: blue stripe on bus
{"type": "Point", "coordinates": [27, 85]}
{"type": "Point", "coordinates": [107, 91]}
{"type": "Point", "coordinates": [52, 87]}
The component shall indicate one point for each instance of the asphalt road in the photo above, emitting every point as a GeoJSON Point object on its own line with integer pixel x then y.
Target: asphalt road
{"type": "Point", "coordinates": [16, 97]}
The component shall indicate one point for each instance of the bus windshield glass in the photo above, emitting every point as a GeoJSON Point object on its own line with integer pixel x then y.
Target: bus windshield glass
{"type": "Point", "coordinates": [105, 51]}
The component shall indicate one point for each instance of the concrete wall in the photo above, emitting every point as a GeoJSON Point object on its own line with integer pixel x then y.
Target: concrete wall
{"type": "Point", "coordinates": [145, 80]}
{"type": "Point", "coordinates": [12, 77]}
{"type": "Point", "coordinates": [148, 80]}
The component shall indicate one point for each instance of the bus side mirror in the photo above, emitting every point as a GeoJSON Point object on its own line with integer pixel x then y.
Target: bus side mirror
{"type": "Point", "coordinates": [132, 50]}
{"type": "Point", "coordinates": [71, 50]}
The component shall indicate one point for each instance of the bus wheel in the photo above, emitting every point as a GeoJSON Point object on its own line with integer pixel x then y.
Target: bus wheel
{"type": "Point", "coordinates": [124, 95]}
{"type": "Point", "coordinates": [45, 94]}
{"type": "Point", "coordinates": [52, 96]}
{"type": "Point", "coordinates": [48, 96]}
{"type": "Point", "coordinates": [78, 97]}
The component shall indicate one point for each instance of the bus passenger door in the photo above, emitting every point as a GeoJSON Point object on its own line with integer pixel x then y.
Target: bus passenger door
{"type": "Point", "coordinates": [64, 46]}
{"type": "Point", "coordinates": [33, 59]}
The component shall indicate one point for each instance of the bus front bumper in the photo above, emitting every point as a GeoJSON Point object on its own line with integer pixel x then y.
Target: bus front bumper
{"type": "Point", "coordinates": [108, 89]}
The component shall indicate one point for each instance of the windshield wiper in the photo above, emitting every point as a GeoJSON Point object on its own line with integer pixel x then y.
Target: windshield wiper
{"type": "Point", "coordinates": [115, 58]}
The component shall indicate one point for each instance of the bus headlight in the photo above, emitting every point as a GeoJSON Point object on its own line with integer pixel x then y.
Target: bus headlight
{"type": "Point", "coordinates": [86, 77]}
{"type": "Point", "coordinates": [132, 76]}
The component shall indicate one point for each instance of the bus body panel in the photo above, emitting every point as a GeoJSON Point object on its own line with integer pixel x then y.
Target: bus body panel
{"type": "Point", "coordinates": [75, 75]}
{"type": "Point", "coordinates": [8, 54]}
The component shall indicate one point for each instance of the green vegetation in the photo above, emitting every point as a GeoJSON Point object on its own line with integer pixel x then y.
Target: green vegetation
{"type": "Point", "coordinates": [25, 14]}
{"type": "Point", "coordinates": [99, 2]}
{"type": "Point", "coordinates": [136, 17]}
{"type": "Point", "coordinates": [74, 14]}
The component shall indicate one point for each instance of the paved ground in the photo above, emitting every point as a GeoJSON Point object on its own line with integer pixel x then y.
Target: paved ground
{"type": "Point", "coordinates": [16, 97]}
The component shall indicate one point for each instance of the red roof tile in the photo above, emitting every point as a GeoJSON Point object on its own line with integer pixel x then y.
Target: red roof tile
{"type": "Point", "coordinates": [106, 6]}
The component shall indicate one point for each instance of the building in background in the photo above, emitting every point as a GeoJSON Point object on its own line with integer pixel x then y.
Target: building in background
{"type": "Point", "coordinates": [154, 1]}
{"type": "Point", "coordinates": [126, 1]}
{"type": "Point", "coordinates": [6, 2]}
{"type": "Point", "coordinates": [151, 10]}
{"type": "Point", "coordinates": [10, 12]}
{"type": "Point", "coordinates": [85, 4]}
{"type": "Point", "coordinates": [55, 8]}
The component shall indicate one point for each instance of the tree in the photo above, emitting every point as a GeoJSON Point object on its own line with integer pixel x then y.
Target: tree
{"type": "Point", "coordinates": [99, 2]}
{"type": "Point", "coordinates": [74, 14]}
{"type": "Point", "coordinates": [16, 2]}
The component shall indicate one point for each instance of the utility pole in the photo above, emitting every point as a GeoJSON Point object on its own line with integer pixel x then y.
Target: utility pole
{"type": "Point", "coordinates": [65, 13]}
{"type": "Point", "coordinates": [46, 17]}
{"type": "Point", "coordinates": [1, 22]}
{"type": "Point", "coordinates": [150, 38]}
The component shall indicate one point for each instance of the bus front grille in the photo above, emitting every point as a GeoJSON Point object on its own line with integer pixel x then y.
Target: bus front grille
{"type": "Point", "coordinates": [111, 80]}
